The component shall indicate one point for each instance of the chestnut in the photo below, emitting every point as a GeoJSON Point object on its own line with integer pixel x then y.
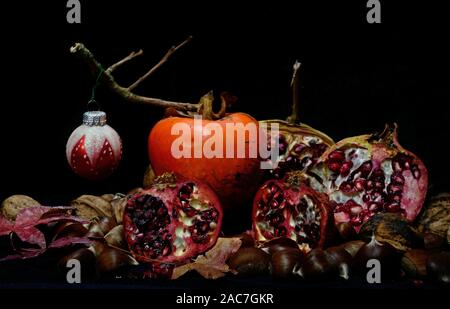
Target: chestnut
{"type": "Point", "coordinates": [346, 231]}
{"type": "Point", "coordinates": [383, 252]}
{"type": "Point", "coordinates": [433, 242]}
{"type": "Point", "coordinates": [100, 226]}
{"type": "Point", "coordinates": [87, 263]}
{"type": "Point", "coordinates": [250, 261]}
{"type": "Point", "coordinates": [317, 265]}
{"type": "Point", "coordinates": [69, 229]}
{"type": "Point", "coordinates": [278, 244]}
{"type": "Point", "coordinates": [341, 260]}
{"type": "Point", "coordinates": [283, 262]}
{"type": "Point", "coordinates": [111, 259]}
{"type": "Point", "coordinates": [414, 263]}
{"type": "Point", "coordinates": [438, 267]}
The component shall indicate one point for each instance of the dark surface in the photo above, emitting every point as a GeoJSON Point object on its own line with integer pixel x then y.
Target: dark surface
{"type": "Point", "coordinates": [355, 77]}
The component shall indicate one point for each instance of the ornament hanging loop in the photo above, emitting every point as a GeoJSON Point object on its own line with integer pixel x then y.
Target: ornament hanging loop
{"type": "Point", "coordinates": [93, 105]}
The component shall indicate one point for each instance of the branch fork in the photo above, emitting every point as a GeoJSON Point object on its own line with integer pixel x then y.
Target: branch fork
{"type": "Point", "coordinates": [106, 78]}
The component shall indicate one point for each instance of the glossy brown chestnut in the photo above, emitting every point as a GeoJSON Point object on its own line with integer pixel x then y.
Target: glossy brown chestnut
{"type": "Point", "coordinates": [279, 244]}
{"type": "Point", "coordinates": [87, 263]}
{"type": "Point", "coordinates": [341, 260]}
{"type": "Point", "coordinates": [111, 259]}
{"type": "Point", "coordinates": [346, 231]}
{"type": "Point", "coordinates": [317, 265]}
{"type": "Point", "coordinates": [284, 261]}
{"type": "Point", "coordinates": [414, 263]}
{"type": "Point", "coordinates": [250, 261]}
{"type": "Point", "coordinates": [438, 267]}
{"type": "Point", "coordinates": [387, 256]}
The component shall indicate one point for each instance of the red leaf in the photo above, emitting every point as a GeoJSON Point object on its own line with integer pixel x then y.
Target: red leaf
{"type": "Point", "coordinates": [67, 241]}
{"type": "Point", "coordinates": [6, 226]}
{"type": "Point", "coordinates": [25, 227]}
{"type": "Point", "coordinates": [31, 235]}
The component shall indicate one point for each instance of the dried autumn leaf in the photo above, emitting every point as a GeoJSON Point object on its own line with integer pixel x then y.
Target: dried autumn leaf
{"type": "Point", "coordinates": [25, 227]}
{"type": "Point", "coordinates": [212, 265]}
{"type": "Point", "coordinates": [91, 206]}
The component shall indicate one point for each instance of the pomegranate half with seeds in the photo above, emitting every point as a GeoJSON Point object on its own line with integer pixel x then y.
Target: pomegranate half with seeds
{"type": "Point", "coordinates": [368, 174]}
{"type": "Point", "coordinates": [289, 208]}
{"type": "Point", "coordinates": [172, 221]}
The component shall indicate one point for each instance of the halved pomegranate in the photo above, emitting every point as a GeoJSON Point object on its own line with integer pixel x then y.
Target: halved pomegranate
{"type": "Point", "coordinates": [300, 146]}
{"type": "Point", "coordinates": [172, 221]}
{"type": "Point", "coordinates": [368, 174]}
{"type": "Point", "coordinates": [289, 208]}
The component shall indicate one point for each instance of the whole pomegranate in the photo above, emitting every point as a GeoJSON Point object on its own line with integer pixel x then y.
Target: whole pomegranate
{"type": "Point", "coordinates": [368, 174]}
{"type": "Point", "coordinates": [289, 208]}
{"type": "Point", "coordinates": [172, 221]}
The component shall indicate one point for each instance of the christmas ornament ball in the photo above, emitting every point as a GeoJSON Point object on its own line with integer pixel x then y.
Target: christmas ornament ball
{"type": "Point", "coordinates": [94, 149]}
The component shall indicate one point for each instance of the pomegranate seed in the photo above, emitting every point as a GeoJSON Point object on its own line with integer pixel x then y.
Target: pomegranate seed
{"type": "Point", "coordinates": [360, 184]}
{"type": "Point", "coordinates": [398, 179]}
{"type": "Point", "coordinates": [356, 210]}
{"type": "Point", "coordinates": [397, 198]}
{"type": "Point", "coordinates": [337, 155]}
{"type": "Point", "coordinates": [393, 189]}
{"type": "Point", "coordinates": [396, 166]}
{"type": "Point", "coordinates": [282, 147]}
{"type": "Point", "coordinates": [415, 171]}
{"type": "Point", "coordinates": [340, 208]}
{"type": "Point", "coordinates": [369, 184]}
{"type": "Point", "coordinates": [334, 166]}
{"type": "Point", "coordinates": [345, 168]}
{"type": "Point", "coordinates": [356, 220]}
{"type": "Point", "coordinates": [274, 189]}
{"type": "Point", "coordinates": [299, 148]}
{"type": "Point", "coordinates": [346, 187]}
{"type": "Point", "coordinates": [379, 185]}
{"type": "Point", "coordinates": [350, 203]}
{"type": "Point", "coordinates": [280, 231]}
{"type": "Point", "coordinates": [365, 168]}
{"type": "Point", "coordinates": [374, 207]}
{"type": "Point", "coordinates": [273, 204]}
{"type": "Point", "coordinates": [392, 207]}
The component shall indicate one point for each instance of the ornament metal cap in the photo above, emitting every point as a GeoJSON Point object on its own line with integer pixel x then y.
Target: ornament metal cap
{"type": "Point", "coordinates": [94, 118]}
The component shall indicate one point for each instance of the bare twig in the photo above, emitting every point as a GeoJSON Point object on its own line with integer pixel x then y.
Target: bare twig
{"type": "Point", "coordinates": [294, 117]}
{"type": "Point", "coordinates": [107, 79]}
{"type": "Point", "coordinates": [164, 59]}
{"type": "Point", "coordinates": [126, 59]}
{"type": "Point", "coordinates": [179, 108]}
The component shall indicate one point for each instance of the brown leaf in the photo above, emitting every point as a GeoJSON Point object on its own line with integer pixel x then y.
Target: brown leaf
{"type": "Point", "coordinates": [211, 265]}
{"type": "Point", "coordinates": [90, 206]}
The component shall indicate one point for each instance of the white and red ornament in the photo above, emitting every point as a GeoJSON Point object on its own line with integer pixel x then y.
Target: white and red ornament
{"type": "Point", "coordinates": [94, 149]}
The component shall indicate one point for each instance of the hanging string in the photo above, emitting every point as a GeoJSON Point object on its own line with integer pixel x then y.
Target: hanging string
{"type": "Point", "coordinates": [97, 82]}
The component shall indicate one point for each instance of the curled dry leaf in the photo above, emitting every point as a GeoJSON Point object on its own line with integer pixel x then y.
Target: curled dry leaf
{"type": "Point", "coordinates": [149, 177]}
{"type": "Point", "coordinates": [118, 206]}
{"type": "Point", "coordinates": [436, 216]}
{"type": "Point", "coordinates": [115, 237]}
{"type": "Point", "coordinates": [212, 265]}
{"type": "Point", "coordinates": [393, 229]}
{"type": "Point", "coordinates": [90, 206]}
{"type": "Point", "coordinates": [12, 205]}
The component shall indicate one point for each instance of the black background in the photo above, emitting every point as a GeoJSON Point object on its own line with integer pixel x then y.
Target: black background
{"type": "Point", "coordinates": [355, 77]}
